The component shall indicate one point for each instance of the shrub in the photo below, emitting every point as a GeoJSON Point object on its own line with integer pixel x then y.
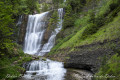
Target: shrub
{"type": "Point", "coordinates": [111, 68]}
{"type": "Point", "coordinates": [91, 29]}
{"type": "Point", "coordinates": [76, 5]}
{"type": "Point", "coordinates": [68, 18]}
{"type": "Point", "coordinates": [53, 20]}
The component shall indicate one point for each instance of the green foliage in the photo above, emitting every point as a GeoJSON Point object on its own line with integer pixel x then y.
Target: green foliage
{"type": "Point", "coordinates": [5, 27]}
{"type": "Point", "coordinates": [91, 29]}
{"type": "Point", "coordinates": [106, 32]}
{"type": "Point", "coordinates": [73, 40]}
{"type": "Point", "coordinates": [10, 64]}
{"type": "Point", "coordinates": [96, 25]}
{"type": "Point", "coordinates": [76, 5]}
{"type": "Point", "coordinates": [63, 5]}
{"type": "Point", "coordinates": [80, 22]}
{"type": "Point", "coordinates": [60, 42]}
{"type": "Point", "coordinates": [111, 68]}
{"type": "Point", "coordinates": [56, 3]}
{"type": "Point", "coordinates": [9, 10]}
{"type": "Point", "coordinates": [68, 18]}
{"type": "Point", "coordinates": [32, 5]}
{"type": "Point", "coordinates": [53, 20]}
{"type": "Point", "coordinates": [9, 51]}
{"type": "Point", "coordinates": [72, 10]}
{"type": "Point", "coordinates": [45, 7]}
{"type": "Point", "coordinates": [98, 21]}
{"type": "Point", "coordinates": [107, 7]}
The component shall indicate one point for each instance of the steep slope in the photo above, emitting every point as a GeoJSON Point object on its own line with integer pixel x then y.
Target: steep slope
{"type": "Point", "coordinates": [86, 41]}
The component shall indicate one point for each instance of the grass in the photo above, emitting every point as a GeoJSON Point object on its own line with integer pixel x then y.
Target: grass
{"type": "Point", "coordinates": [107, 32]}
{"type": "Point", "coordinates": [96, 25]}
{"type": "Point", "coordinates": [73, 40]}
{"type": "Point", "coordinates": [110, 67]}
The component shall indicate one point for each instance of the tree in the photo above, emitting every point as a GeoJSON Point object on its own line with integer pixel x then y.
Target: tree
{"type": "Point", "coordinates": [32, 5]}
{"type": "Point", "coordinates": [68, 18]}
{"type": "Point", "coordinates": [53, 20]}
{"type": "Point", "coordinates": [5, 28]}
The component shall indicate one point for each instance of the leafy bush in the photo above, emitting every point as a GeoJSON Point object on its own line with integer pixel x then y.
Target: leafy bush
{"type": "Point", "coordinates": [68, 18]}
{"type": "Point", "coordinates": [45, 7]}
{"type": "Point", "coordinates": [81, 22]}
{"type": "Point", "coordinates": [111, 69]}
{"type": "Point", "coordinates": [53, 20]}
{"type": "Point", "coordinates": [91, 29]}
{"type": "Point", "coordinates": [105, 16]}
{"type": "Point", "coordinates": [76, 5]}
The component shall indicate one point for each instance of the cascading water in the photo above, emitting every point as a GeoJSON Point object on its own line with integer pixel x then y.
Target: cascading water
{"type": "Point", "coordinates": [42, 70]}
{"type": "Point", "coordinates": [64, 0]}
{"type": "Point", "coordinates": [35, 32]}
{"type": "Point", "coordinates": [47, 47]}
{"type": "Point", "coordinates": [19, 20]}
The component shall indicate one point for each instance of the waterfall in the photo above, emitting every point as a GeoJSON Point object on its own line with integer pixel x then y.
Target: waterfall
{"type": "Point", "coordinates": [35, 32]}
{"type": "Point", "coordinates": [64, 0]}
{"type": "Point", "coordinates": [19, 20]}
{"type": "Point", "coordinates": [47, 47]}
{"type": "Point", "coordinates": [42, 70]}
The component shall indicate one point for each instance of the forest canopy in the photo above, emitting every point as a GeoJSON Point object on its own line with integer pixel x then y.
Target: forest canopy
{"type": "Point", "coordinates": [9, 11]}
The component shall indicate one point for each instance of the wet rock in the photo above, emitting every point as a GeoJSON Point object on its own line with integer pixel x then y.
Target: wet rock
{"type": "Point", "coordinates": [74, 74]}
{"type": "Point", "coordinates": [47, 35]}
{"type": "Point", "coordinates": [34, 73]}
{"type": "Point", "coordinates": [23, 29]}
{"type": "Point", "coordinates": [87, 57]}
{"type": "Point", "coordinates": [87, 60]}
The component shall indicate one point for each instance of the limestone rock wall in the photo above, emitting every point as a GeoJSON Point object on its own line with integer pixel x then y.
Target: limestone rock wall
{"type": "Point", "coordinates": [86, 57]}
{"type": "Point", "coordinates": [22, 29]}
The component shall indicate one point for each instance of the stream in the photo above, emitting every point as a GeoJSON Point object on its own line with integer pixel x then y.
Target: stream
{"type": "Point", "coordinates": [33, 45]}
{"type": "Point", "coordinates": [42, 69]}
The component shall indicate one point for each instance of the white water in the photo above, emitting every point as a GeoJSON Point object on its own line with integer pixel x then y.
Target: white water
{"type": "Point", "coordinates": [47, 47]}
{"type": "Point", "coordinates": [64, 0]}
{"type": "Point", "coordinates": [42, 70]}
{"type": "Point", "coordinates": [35, 31]}
{"type": "Point", "coordinates": [45, 70]}
{"type": "Point", "coordinates": [19, 20]}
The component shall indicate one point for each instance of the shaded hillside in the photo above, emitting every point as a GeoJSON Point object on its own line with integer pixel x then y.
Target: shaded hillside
{"type": "Point", "coordinates": [90, 36]}
{"type": "Point", "coordinates": [11, 55]}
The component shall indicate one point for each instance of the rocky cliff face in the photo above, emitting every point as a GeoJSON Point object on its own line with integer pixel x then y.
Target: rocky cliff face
{"type": "Point", "coordinates": [23, 29]}
{"type": "Point", "coordinates": [87, 57]}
